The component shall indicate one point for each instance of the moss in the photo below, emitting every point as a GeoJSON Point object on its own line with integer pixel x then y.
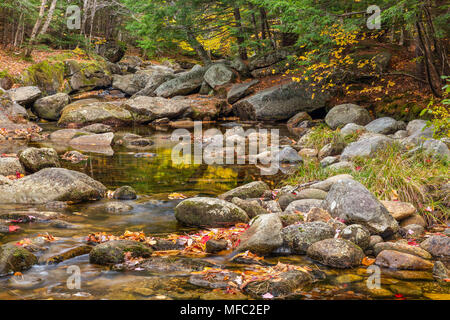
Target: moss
{"type": "Point", "coordinates": [48, 76]}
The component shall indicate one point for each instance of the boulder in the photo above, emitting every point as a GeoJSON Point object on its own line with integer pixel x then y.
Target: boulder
{"type": "Point", "coordinates": [401, 247]}
{"type": "Point", "coordinates": [101, 139]}
{"type": "Point", "coordinates": [35, 159]}
{"type": "Point", "coordinates": [418, 131]}
{"type": "Point", "coordinates": [436, 148]}
{"type": "Point", "coordinates": [403, 261]}
{"type": "Point", "coordinates": [97, 128]}
{"type": "Point", "coordinates": [299, 237]}
{"type": "Point", "coordinates": [385, 125]}
{"type": "Point", "coordinates": [303, 205]}
{"type": "Point", "coordinates": [347, 113]}
{"type": "Point", "coordinates": [24, 95]}
{"type": "Point", "coordinates": [438, 246]}
{"type": "Point", "coordinates": [399, 210]}
{"type": "Point", "coordinates": [286, 155]}
{"type": "Point", "coordinates": [250, 190]}
{"type": "Point", "coordinates": [87, 76]}
{"type": "Point", "coordinates": [125, 193]}
{"type": "Point", "coordinates": [50, 107]}
{"type": "Point", "coordinates": [213, 246]}
{"type": "Point", "coordinates": [357, 234]}
{"type": "Point", "coordinates": [251, 207]}
{"type": "Point", "coordinates": [318, 214]}
{"type": "Point", "coordinates": [10, 166]}
{"type": "Point", "coordinates": [211, 212]}
{"type": "Point", "coordinates": [112, 51]}
{"type": "Point", "coordinates": [332, 149]}
{"type": "Point", "coordinates": [263, 236]}
{"type": "Point", "coordinates": [326, 185]}
{"type": "Point", "coordinates": [414, 219]}
{"type": "Point", "coordinates": [52, 184]}
{"type": "Point", "coordinates": [110, 207]}
{"type": "Point", "coordinates": [185, 83]}
{"type": "Point", "coordinates": [412, 231]}
{"type": "Point", "coordinates": [240, 90]}
{"type": "Point", "coordinates": [15, 259]}
{"type": "Point", "coordinates": [218, 75]}
{"type": "Point", "coordinates": [279, 103]}
{"type": "Point", "coordinates": [299, 123]}
{"type": "Point", "coordinates": [153, 82]}
{"type": "Point", "coordinates": [113, 252]}
{"type": "Point", "coordinates": [269, 58]}
{"type": "Point", "coordinates": [366, 146]}
{"type": "Point", "coordinates": [337, 253]}
{"type": "Point", "coordinates": [351, 201]}
{"type": "Point", "coordinates": [351, 128]}
{"type": "Point", "coordinates": [147, 109]}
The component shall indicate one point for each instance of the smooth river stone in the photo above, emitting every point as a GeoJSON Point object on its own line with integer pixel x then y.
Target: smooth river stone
{"type": "Point", "coordinates": [404, 261]}
{"type": "Point", "coordinates": [401, 247]}
{"type": "Point", "coordinates": [399, 210]}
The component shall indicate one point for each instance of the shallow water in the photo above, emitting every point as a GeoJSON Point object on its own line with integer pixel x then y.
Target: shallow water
{"type": "Point", "coordinates": [154, 179]}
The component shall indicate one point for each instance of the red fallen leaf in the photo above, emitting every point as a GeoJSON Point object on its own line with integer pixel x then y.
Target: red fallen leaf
{"type": "Point", "coordinates": [13, 228]}
{"type": "Point", "coordinates": [205, 239]}
{"type": "Point", "coordinates": [413, 243]}
{"type": "Point", "coordinates": [447, 279]}
{"type": "Point", "coordinates": [358, 168]}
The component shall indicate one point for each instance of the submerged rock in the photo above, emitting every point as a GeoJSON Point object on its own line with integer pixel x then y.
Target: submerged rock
{"type": "Point", "coordinates": [113, 252]}
{"type": "Point", "coordinates": [125, 193]}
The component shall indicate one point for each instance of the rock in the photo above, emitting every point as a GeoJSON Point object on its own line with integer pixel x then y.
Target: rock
{"type": "Point", "coordinates": [112, 51]}
{"type": "Point", "coordinates": [356, 234]}
{"type": "Point", "coordinates": [415, 126]}
{"type": "Point", "coordinates": [436, 148]}
{"type": "Point", "coordinates": [351, 201]}
{"type": "Point", "coordinates": [15, 259]}
{"type": "Point", "coordinates": [400, 260]}
{"type": "Point", "coordinates": [139, 144]}
{"type": "Point", "coordinates": [125, 193]}
{"type": "Point", "coordinates": [131, 63]}
{"type": "Point", "coordinates": [348, 278]}
{"type": "Point", "coordinates": [250, 190]}
{"type": "Point", "coordinates": [283, 285]}
{"type": "Point", "coordinates": [399, 210]}
{"type": "Point", "coordinates": [438, 246]}
{"type": "Point", "coordinates": [308, 153]}
{"type": "Point", "coordinates": [240, 90]}
{"type": "Point", "coordinates": [110, 207]}
{"type": "Point", "coordinates": [153, 82]}
{"type": "Point", "coordinates": [401, 247]}
{"type": "Point", "coordinates": [437, 296]}
{"type": "Point", "coordinates": [332, 149]}
{"type": "Point", "coordinates": [202, 211]}
{"type": "Point", "coordinates": [400, 134]}
{"type": "Point", "coordinates": [218, 75]}
{"type": "Point", "coordinates": [52, 184]}
{"type": "Point", "coordinates": [10, 166]}
{"type": "Point", "coordinates": [147, 109]}
{"type": "Point", "coordinates": [251, 207]}
{"type": "Point", "coordinates": [97, 128]}
{"type": "Point", "coordinates": [406, 289]}
{"type": "Point", "coordinates": [50, 107]}
{"type": "Point", "coordinates": [102, 139]}
{"type": "Point", "coordinates": [165, 265]}
{"type": "Point", "coordinates": [299, 237]}
{"type": "Point", "coordinates": [310, 193]}
{"type": "Point", "coordinates": [337, 253]}
{"type": "Point", "coordinates": [414, 219]}
{"type": "Point", "coordinates": [347, 113]}
{"type": "Point", "coordinates": [303, 205]}
{"type": "Point", "coordinates": [87, 76]}
{"type": "Point", "coordinates": [215, 280]}
{"type": "Point", "coordinates": [374, 240]}
{"type": "Point", "coordinates": [351, 128]}
{"type": "Point", "coordinates": [61, 224]}
{"type": "Point", "coordinates": [317, 214]}
{"type": "Point", "coordinates": [24, 95]}
{"type": "Point", "coordinates": [213, 246]}
{"type": "Point", "coordinates": [130, 83]}
{"type": "Point", "coordinates": [385, 125]}
{"type": "Point", "coordinates": [296, 124]}
{"type": "Point", "coordinates": [412, 231]}
{"type": "Point", "coordinates": [113, 252]}
{"type": "Point", "coordinates": [418, 132]}
{"type": "Point", "coordinates": [279, 103]}
{"type": "Point", "coordinates": [342, 165]}
{"type": "Point", "coordinates": [328, 183]}
{"type": "Point", "coordinates": [88, 112]}
{"type": "Point", "coordinates": [407, 274]}
{"type": "Point", "coordinates": [69, 254]}
{"type": "Point", "coordinates": [440, 272]}
{"type": "Point", "coordinates": [263, 236]}
{"type": "Point", "coordinates": [185, 83]}
{"type": "Point", "coordinates": [6, 82]}
{"type": "Point", "coordinates": [366, 146]}
{"type": "Point", "coordinates": [64, 135]}
{"type": "Point", "coordinates": [35, 159]}
{"type": "Point", "coordinates": [286, 155]}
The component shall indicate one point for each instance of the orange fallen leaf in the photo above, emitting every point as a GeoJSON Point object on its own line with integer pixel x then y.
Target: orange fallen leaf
{"type": "Point", "coordinates": [366, 261]}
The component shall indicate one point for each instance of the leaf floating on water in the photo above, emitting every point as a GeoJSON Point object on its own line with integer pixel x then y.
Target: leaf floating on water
{"type": "Point", "coordinates": [176, 196]}
{"type": "Point", "coordinates": [366, 261]}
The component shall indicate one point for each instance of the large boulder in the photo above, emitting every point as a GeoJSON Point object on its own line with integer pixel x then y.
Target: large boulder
{"type": "Point", "coordinates": [263, 236]}
{"type": "Point", "coordinates": [50, 107]}
{"type": "Point", "coordinates": [299, 237]}
{"type": "Point", "coordinates": [52, 184]}
{"type": "Point", "coordinates": [418, 131]}
{"type": "Point", "coordinates": [24, 95]}
{"type": "Point", "coordinates": [337, 253]}
{"type": "Point", "coordinates": [112, 51]}
{"type": "Point", "coordinates": [351, 201]}
{"type": "Point", "coordinates": [113, 252]}
{"type": "Point", "coordinates": [436, 148]}
{"type": "Point", "coordinates": [403, 261]}
{"type": "Point", "coordinates": [347, 113]}
{"type": "Point", "coordinates": [88, 112]}
{"type": "Point", "coordinates": [88, 76]}
{"type": "Point", "coordinates": [147, 109]}
{"type": "Point", "coordinates": [438, 246]}
{"type": "Point", "coordinates": [218, 75]}
{"type": "Point", "coordinates": [183, 84]}
{"type": "Point", "coordinates": [270, 58]}
{"type": "Point", "coordinates": [35, 159]}
{"type": "Point", "coordinates": [15, 259]}
{"type": "Point", "coordinates": [211, 212]}
{"type": "Point", "coordinates": [366, 146]}
{"type": "Point", "coordinates": [250, 190]}
{"type": "Point", "coordinates": [240, 90]}
{"type": "Point", "coordinates": [385, 125]}
{"type": "Point", "coordinates": [280, 102]}
{"type": "Point", "coordinates": [10, 166]}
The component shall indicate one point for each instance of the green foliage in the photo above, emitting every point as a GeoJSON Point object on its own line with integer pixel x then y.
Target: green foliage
{"type": "Point", "coordinates": [440, 113]}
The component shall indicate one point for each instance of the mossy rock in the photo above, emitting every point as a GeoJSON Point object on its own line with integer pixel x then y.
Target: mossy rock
{"type": "Point", "coordinates": [15, 258]}
{"type": "Point", "coordinates": [48, 76]}
{"type": "Point", "coordinates": [113, 252]}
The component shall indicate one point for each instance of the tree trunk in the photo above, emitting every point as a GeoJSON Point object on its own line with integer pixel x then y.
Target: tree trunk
{"type": "Point", "coordinates": [36, 28]}
{"type": "Point", "coordinates": [197, 46]}
{"type": "Point", "coordinates": [49, 17]}
{"type": "Point", "coordinates": [240, 39]}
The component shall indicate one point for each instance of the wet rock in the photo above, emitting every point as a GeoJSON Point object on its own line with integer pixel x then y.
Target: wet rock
{"type": "Point", "coordinates": [283, 285]}
{"type": "Point", "coordinates": [97, 128]}
{"type": "Point", "coordinates": [263, 236]}
{"type": "Point", "coordinates": [347, 113]}
{"type": "Point", "coordinates": [356, 234]}
{"type": "Point", "coordinates": [438, 246]}
{"type": "Point", "coordinates": [440, 272]}
{"type": "Point", "coordinates": [366, 146]}
{"type": "Point", "coordinates": [401, 247]}
{"type": "Point", "coordinates": [279, 103]}
{"type": "Point", "coordinates": [147, 109]}
{"type": "Point", "coordinates": [69, 254]}
{"type": "Point", "coordinates": [251, 207]}
{"type": "Point", "coordinates": [215, 280]}
{"type": "Point", "coordinates": [52, 184]}
{"type": "Point", "coordinates": [50, 107]}
{"type": "Point", "coordinates": [218, 75]}
{"type": "Point", "coordinates": [299, 124]}
{"type": "Point", "coordinates": [406, 289]}
{"type": "Point", "coordinates": [318, 214]}
{"type": "Point", "coordinates": [326, 184]}
{"type": "Point", "coordinates": [338, 253]}
{"type": "Point", "coordinates": [10, 166]}
{"type": "Point", "coordinates": [125, 193]}
{"type": "Point", "coordinates": [351, 128]}
{"type": "Point", "coordinates": [64, 135]}
{"type": "Point", "coordinates": [25, 282]}
{"type": "Point", "coordinates": [101, 139]}
{"type": "Point", "coordinates": [240, 90]}
{"type": "Point", "coordinates": [164, 245]}
{"type": "Point", "coordinates": [202, 211]}
{"type": "Point", "coordinates": [351, 201]}
{"type": "Point", "coordinates": [213, 246]}
{"type": "Point", "coordinates": [400, 260]}
{"type": "Point", "coordinates": [250, 190]}
{"type": "Point", "coordinates": [385, 125]}
{"type": "Point", "coordinates": [303, 205]}
{"type": "Point", "coordinates": [15, 258]}
{"type": "Point", "coordinates": [173, 265]}
{"type": "Point", "coordinates": [374, 240]}
{"type": "Point", "coordinates": [399, 210]}
{"type": "Point", "coordinates": [113, 252]}
{"type": "Point", "coordinates": [24, 95]}
{"type": "Point", "coordinates": [348, 278]}
{"type": "Point", "coordinates": [407, 274]}
{"type": "Point", "coordinates": [185, 83]}
{"type": "Point", "coordinates": [110, 207]}
{"type": "Point", "coordinates": [35, 159]}
{"type": "Point", "coordinates": [61, 224]}
{"type": "Point", "coordinates": [299, 237]}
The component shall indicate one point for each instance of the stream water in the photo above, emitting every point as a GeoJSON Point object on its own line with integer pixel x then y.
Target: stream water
{"type": "Point", "coordinates": [154, 179]}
